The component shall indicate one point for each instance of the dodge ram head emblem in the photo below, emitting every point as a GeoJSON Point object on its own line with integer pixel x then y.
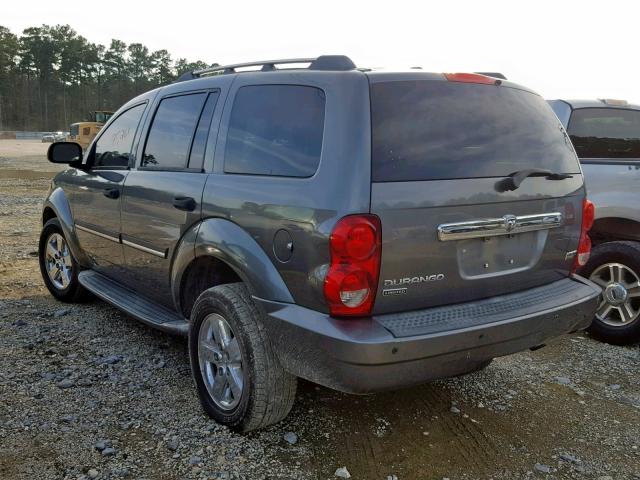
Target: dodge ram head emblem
{"type": "Point", "coordinates": [509, 222]}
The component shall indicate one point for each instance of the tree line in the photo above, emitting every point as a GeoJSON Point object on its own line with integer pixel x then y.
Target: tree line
{"type": "Point", "coordinates": [51, 77]}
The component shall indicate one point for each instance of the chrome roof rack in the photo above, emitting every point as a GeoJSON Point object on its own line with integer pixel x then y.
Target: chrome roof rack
{"type": "Point", "coordinates": [323, 62]}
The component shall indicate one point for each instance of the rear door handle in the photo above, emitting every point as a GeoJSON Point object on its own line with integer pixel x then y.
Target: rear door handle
{"type": "Point", "coordinates": [187, 204]}
{"type": "Point", "coordinates": [111, 192]}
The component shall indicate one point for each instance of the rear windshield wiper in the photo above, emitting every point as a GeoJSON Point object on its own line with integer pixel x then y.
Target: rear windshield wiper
{"type": "Point", "coordinates": [513, 180]}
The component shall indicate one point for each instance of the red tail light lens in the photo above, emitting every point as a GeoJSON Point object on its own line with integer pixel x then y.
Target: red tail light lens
{"type": "Point", "coordinates": [352, 278]}
{"type": "Point", "coordinates": [471, 78]}
{"type": "Point", "coordinates": [588, 215]}
{"type": "Point", "coordinates": [584, 246]}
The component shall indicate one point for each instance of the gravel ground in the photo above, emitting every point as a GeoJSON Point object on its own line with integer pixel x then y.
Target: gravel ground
{"type": "Point", "coordinates": [87, 392]}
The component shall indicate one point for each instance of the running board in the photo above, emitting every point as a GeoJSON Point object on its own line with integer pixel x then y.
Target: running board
{"type": "Point", "coordinates": [146, 311]}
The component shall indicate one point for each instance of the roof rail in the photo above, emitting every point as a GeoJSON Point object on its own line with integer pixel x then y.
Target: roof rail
{"type": "Point", "coordinates": [323, 62]}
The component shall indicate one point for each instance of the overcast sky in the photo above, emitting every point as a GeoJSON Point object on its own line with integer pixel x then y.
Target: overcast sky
{"type": "Point", "coordinates": [570, 49]}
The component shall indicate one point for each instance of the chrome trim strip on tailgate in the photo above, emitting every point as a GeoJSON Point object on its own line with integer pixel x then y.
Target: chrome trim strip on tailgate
{"type": "Point", "coordinates": [492, 227]}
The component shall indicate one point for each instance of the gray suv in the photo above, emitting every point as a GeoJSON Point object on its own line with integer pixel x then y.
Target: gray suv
{"type": "Point", "coordinates": [362, 230]}
{"type": "Point", "coordinates": [606, 136]}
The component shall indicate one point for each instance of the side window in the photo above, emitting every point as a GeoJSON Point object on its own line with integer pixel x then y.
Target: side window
{"type": "Point", "coordinates": [196, 157]}
{"type": "Point", "coordinates": [605, 133]}
{"type": "Point", "coordinates": [113, 148]}
{"type": "Point", "coordinates": [275, 130]}
{"type": "Point", "coordinates": [172, 131]}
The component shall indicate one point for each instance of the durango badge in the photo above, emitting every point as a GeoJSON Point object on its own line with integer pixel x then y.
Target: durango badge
{"type": "Point", "coordinates": [411, 280]}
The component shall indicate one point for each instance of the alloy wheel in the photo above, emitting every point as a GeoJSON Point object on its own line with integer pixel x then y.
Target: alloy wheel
{"type": "Point", "coordinates": [620, 300]}
{"type": "Point", "coordinates": [220, 361]}
{"type": "Point", "coordinates": [58, 261]}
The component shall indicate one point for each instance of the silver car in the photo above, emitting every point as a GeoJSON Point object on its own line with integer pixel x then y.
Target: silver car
{"type": "Point", "coordinates": [606, 136]}
{"type": "Point", "coordinates": [52, 137]}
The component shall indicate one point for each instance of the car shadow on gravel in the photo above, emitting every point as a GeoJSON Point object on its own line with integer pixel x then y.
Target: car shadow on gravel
{"type": "Point", "coordinates": [73, 376]}
{"type": "Point", "coordinates": [549, 412]}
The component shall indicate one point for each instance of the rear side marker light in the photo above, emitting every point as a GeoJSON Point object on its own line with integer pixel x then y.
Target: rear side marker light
{"type": "Point", "coordinates": [352, 277]}
{"type": "Point", "coordinates": [472, 78]}
{"type": "Point", "coordinates": [584, 245]}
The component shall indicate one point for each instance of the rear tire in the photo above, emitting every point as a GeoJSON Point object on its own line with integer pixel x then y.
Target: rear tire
{"type": "Point", "coordinates": [58, 267]}
{"type": "Point", "coordinates": [239, 379]}
{"type": "Point", "coordinates": [615, 266]}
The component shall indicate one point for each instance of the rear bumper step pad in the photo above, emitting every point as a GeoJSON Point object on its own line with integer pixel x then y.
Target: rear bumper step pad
{"type": "Point", "coordinates": [490, 310]}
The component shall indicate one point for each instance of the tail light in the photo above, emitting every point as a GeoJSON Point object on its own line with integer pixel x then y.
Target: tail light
{"type": "Point", "coordinates": [584, 246]}
{"type": "Point", "coordinates": [352, 278]}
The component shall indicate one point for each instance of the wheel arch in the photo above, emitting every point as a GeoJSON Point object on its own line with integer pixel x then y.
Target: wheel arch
{"type": "Point", "coordinates": [47, 214]}
{"type": "Point", "coordinates": [611, 228]}
{"type": "Point", "coordinates": [217, 251]}
{"type": "Point", "coordinates": [57, 206]}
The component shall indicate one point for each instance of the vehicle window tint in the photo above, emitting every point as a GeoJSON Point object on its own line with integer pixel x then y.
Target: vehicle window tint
{"type": "Point", "coordinates": [605, 133]}
{"type": "Point", "coordinates": [430, 130]}
{"type": "Point", "coordinates": [562, 110]}
{"type": "Point", "coordinates": [275, 130]}
{"type": "Point", "coordinates": [113, 148]}
{"type": "Point", "coordinates": [196, 158]}
{"type": "Point", "coordinates": [171, 132]}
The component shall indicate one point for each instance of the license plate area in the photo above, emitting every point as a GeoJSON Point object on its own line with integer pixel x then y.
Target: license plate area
{"type": "Point", "coordinates": [500, 255]}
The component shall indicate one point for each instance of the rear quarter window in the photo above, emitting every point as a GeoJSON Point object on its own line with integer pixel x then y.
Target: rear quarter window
{"type": "Point", "coordinates": [605, 133]}
{"type": "Point", "coordinates": [275, 130]}
{"type": "Point", "coordinates": [562, 110]}
{"type": "Point", "coordinates": [433, 130]}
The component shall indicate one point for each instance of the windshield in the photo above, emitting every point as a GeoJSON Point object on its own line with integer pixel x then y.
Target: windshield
{"type": "Point", "coordinates": [430, 130]}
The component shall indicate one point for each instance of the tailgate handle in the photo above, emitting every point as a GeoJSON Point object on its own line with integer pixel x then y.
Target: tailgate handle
{"type": "Point", "coordinates": [493, 227]}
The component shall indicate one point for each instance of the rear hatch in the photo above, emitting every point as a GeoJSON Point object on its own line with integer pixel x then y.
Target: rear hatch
{"type": "Point", "coordinates": [452, 229]}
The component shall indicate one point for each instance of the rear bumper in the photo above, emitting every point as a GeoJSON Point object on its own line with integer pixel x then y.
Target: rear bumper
{"type": "Point", "coordinates": [393, 351]}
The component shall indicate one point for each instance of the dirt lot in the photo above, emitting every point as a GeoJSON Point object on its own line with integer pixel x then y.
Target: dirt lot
{"type": "Point", "coordinates": [86, 392]}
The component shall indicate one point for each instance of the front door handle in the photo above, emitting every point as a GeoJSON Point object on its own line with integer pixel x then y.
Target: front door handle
{"type": "Point", "coordinates": [111, 192]}
{"type": "Point", "coordinates": [187, 204]}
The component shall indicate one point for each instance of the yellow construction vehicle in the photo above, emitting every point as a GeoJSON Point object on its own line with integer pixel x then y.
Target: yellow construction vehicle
{"type": "Point", "coordinates": [84, 132]}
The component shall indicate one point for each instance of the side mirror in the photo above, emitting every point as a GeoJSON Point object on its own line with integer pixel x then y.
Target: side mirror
{"type": "Point", "coordinates": [65, 152]}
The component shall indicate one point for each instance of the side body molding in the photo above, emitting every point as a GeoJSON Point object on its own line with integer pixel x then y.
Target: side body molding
{"type": "Point", "coordinates": [58, 202]}
{"type": "Point", "coordinates": [226, 241]}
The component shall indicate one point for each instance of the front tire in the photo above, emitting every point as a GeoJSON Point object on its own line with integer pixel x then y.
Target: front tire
{"type": "Point", "coordinates": [615, 266]}
{"type": "Point", "coordinates": [58, 267]}
{"type": "Point", "coordinates": [239, 379]}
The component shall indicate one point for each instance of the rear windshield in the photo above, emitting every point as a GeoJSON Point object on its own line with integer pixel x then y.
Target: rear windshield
{"type": "Point", "coordinates": [605, 132]}
{"type": "Point", "coordinates": [430, 130]}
